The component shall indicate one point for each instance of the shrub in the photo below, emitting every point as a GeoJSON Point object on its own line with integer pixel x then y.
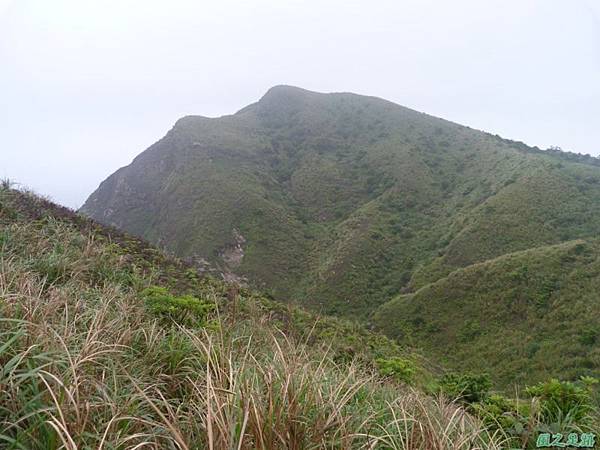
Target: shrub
{"type": "Point", "coordinates": [588, 336]}
{"type": "Point", "coordinates": [397, 368]}
{"type": "Point", "coordinates": [468, 387]}
{"type": "Point", "coordinates": [561, 399]}
{"type": "Point", "coordinates": [501, 413]}
{"type": "Point", "coordinates": [184, 310]}
{"type": "Point", "coordinates": [470, 330]}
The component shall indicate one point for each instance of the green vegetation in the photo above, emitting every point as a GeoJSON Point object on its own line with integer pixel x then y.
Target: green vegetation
{"type": "Point", "coordinates": [468, 387]}
{"type": "Point", "coordinates": [113, 351]}
{"type": "Point", "coordinates": [398, 368]}
{"type": "Point", "coordinates": [553, 407]}
{"type": "Point", "coordinates": [184, 310]}
{"type": "Point", "coordinates": [475, 250]}
{"type": "Point", "coordinates": [363, 209]}
{"type": "Point", "coordinates": [561, 401]}
{"type": "Point", "coordinates": [125, 347]}
{"type": "Point", "coordinates": [344, 201]}
{"type": "Point", "coordinates": [524, 317]}
{"type": "Point", "coordinates": [479, 252]}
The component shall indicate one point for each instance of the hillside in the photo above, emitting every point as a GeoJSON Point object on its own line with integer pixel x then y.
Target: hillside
{"type": "Point", "coordinates": [108, 343]}
{"type": "Point", "coordinates": [73, 247]}
{"type": "Point", "coordinates": [105, 342]}
{"type": "Point", "coordinates": [526, 316]}
{"type": "Point", "coordinates": [343, 201]}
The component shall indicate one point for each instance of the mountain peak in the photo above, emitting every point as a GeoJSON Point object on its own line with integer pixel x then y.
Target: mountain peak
{"type": "Point", "coordinates": [284, 90]}
{"type": "Point", "coordinates": [282, 100]}
{"type": "Point", "coordinates": [286, 94]}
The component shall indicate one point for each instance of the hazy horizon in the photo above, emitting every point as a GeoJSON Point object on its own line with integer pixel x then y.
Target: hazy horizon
{"type": "Point", "coordinates": [88, 85]}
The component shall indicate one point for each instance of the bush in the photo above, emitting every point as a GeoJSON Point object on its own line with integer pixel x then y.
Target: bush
{"type": "Point", "coordinates": [468, 387]}
{"type": "Point", "coordinates": [397, 368]}
{"type": "Point", "coordinates": [561, 399]}
{"type": "Point", "coordinates": [184, 310]}
{"type": "Point", "coordinates": [470, 330]}
{"type": "Point", "coordinates": [501, 413]}
{"type": "Point", "coordinates": [588, 336]}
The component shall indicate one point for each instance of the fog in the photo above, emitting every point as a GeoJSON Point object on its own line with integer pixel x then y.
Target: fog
{"type": "Point", "coordinates": [87, 85]}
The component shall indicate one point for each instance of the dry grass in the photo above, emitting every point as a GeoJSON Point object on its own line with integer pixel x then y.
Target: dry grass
{"type": "Point", "coordinates": [86, 366]}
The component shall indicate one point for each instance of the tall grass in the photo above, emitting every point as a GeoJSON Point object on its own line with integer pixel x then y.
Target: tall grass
{"type": "Point", "coordinates": [85, 365]}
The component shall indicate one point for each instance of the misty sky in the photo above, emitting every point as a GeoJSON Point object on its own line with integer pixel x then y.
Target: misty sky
{"type": "Point", "coordinates": [87, 85]}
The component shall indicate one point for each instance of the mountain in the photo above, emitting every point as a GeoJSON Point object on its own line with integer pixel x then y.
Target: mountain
{"type": "Point", "coordinates": [357, 207]}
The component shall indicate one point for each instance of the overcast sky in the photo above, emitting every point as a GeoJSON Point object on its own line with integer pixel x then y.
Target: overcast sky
{"type": "Point", "coordinates": [87, 85]}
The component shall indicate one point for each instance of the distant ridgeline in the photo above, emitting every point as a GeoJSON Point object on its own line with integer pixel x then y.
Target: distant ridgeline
{"type": "Point", "coordinates": [555, 151]}
{"type": "Point", "coordinates": [362, 208]}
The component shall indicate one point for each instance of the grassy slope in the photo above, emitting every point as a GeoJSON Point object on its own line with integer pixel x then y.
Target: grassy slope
{"type": "Point", "coordinates": [526, 316]}
{"type": "Point", "coordinates": [86, 364]}
{"type": "Point", "coordinates": [550, 204]}
{"type": "Point", "coordinates": [138, 264]}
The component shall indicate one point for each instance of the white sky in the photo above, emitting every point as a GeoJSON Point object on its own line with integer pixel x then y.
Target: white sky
{"type": "Point", "coordinates": [87, 85]}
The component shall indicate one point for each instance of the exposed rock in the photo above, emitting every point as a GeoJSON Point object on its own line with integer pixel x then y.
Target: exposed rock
{"type": "Point", "coordinates": [233, 254]}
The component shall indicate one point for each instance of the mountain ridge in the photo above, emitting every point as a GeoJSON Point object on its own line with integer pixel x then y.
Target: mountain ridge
{"type": "Point", "coordinates": [529, 315]}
